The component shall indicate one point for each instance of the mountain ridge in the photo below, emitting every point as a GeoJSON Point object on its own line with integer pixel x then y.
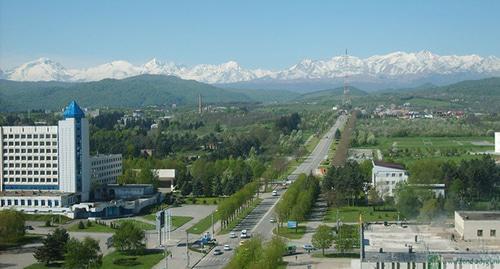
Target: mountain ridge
{"type": "Point", "coordinates": [398, 68]}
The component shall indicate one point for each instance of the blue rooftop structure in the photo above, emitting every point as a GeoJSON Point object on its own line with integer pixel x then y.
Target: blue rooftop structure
{"type": "Point", "coordinates": [73, 110]}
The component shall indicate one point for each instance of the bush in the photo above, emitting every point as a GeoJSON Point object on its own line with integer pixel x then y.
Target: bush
{"type": "Point", "coordinates": [204, 201]}
{"type": "Point", "coordinates": [81, 226]}
{"type": "Point", "coordinates": [127, 262]}
{"type": "Point", "coordinates": [89, 223]}
{"type": "Point", "coordinates": [47, 223]}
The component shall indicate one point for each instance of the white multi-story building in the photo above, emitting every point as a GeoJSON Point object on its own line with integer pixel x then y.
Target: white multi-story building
{"type": "Point", "coordinates": [105, 169]}
{"type": "Point", "coordinates": [385, 177]}
{"type": "Point", "coordinates": [46, 167]}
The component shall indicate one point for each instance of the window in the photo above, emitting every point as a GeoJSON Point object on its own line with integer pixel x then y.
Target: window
{"type": "Point", "coordinates": [479, 233]}
{"type": "Point", "coordinates": [36, 202]}
{"type": "Point", "coordinates": [493, 233]}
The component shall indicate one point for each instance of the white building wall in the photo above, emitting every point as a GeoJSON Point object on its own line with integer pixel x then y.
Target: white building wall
{"type": "Point", "coordinates": [67, 155]}
{"type": "Point", "coordinates": [385, 179]}
{"type": "Point", "coordinates": [68, 151]}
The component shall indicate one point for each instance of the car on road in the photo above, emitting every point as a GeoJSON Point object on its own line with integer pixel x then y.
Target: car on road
{"type": "Point", "coordinates": [232, 235]}
{"type": "Point", "coordinates": [244, 234]}
{"type": "Point", "coordinates": [275, 193]}
{"type": "Point", "coordinates": [217, 251]}
{"type": "Point", "coordinates": [29, 227]}
{"type": "Point", "coordinates": [272, 220]}
{"type": "Point", "coordinates": [227, 248]}
{"type": "Point", "coordinates": [308, 247]}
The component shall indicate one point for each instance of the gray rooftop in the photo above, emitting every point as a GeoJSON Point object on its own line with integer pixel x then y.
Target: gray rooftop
{"type": "Point", "coordinates": [479, 215]}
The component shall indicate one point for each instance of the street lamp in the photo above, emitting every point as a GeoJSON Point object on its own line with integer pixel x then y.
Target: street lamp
{"type": "Point", "coordinates": [213, 229]}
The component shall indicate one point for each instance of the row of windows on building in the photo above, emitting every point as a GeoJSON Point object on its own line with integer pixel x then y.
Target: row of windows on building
{"type": "Point", "coordinates": [105, 161]}
{"type": "Point", "coordinates": [393, 174]}
{"type": "Point", "coordinates": [29, 143]}
{"type": "Point", "coordinates": [29, 202]}
{"type": "Point", "coordinates": [107, 173]}
{"type": "Point", "coordinates": [29, 150]}
{"type": "Point", "coordinates": [30, 179]}
{"type": "Point", "coordinates": [30, 172]}
{"type": "Point", "coordinates": [106, 167]}
{"type": "Point", "coordinates": [29, 165]}
{"type": "Point", "coordinates": [29, 158]}
{"type": "Point", "coordinates": [493, 233]}
{"type": "Point", "coordinates": [29, 136]}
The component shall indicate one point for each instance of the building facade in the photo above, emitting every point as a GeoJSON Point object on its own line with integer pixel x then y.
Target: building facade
{"type": "Point", "coordinates": [477, 225]}
{"type": "Point", "coordinates": [385, 177]}
{"type": "Point", "coordinates": [105, 168]}
{"type": "Point", "coordinates": [45, 167]}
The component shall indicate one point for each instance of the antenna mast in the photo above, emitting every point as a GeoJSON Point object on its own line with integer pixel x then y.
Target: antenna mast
{"type": "Point", "coordinates": [346, 98]}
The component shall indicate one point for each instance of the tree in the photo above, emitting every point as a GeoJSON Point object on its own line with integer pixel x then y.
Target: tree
{"type": "Point", "coordinates": [426, 172]}
{"type": "Point", "coordinates": [129, 238]}
{"type": "Point", "coordinates": [347, 238]}
{"type": "Point", "coordinates": [83, 254]}
{"type": "Point", "coordinates": [128, 177]}
{"type": "Point", "coordinates": [337, 134]}
{"type": "Point", "coordinates": [407, 200]}
{"type": "Point", "coordinates": [53, 247]}
{"type": "Point", "coordinates": [322, 238]}
{"type": "Point", "coordinates": [11, 226]}
{"type": "Point", "coordinates": [81, 226]}
{"type": "Point", "coordinates": [430, 209]}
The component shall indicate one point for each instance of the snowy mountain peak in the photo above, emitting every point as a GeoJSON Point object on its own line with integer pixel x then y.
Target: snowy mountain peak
{"type": "Point", "coordinates": [399, 65]}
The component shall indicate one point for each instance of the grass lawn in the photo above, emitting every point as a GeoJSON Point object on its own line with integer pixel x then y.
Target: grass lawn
{"type": "Point", "coordinates": [241, 216]}
{"type": "Point", "coordinates": [116, 260]}
{"type": "Point", "coordinates": [177, 221]}
{"type": "Point", "coordinates": [204, 224]}
{"type": "Point", "coordinates": [351, 214]}
{"type": "Point", "coordinates": [44, 217]}
{"type": "Point", "coordinates": [95, 228]}
{"type": "Point", "coordinates": [26, 239]}
{"type": "Point", "coordinates": [148, 260]}
{"type": "Point", "coordinates": [143, 225]}
{"type": "Point", "coordinates": [291, 233]}
{"type": "Point", "coordinates": [202, 200]}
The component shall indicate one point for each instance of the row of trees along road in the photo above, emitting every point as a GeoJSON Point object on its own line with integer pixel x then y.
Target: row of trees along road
{"type": "Point", "coordinates": [230, 207]}
{"type": "Point", "coordinates": [298, 200]}
{"type": "Point", "coordinates": [255, 254]}
{"type": "Point", "coordinates": [346, 184]}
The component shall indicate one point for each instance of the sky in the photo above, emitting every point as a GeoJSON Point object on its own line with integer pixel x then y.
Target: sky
{"type": "Point", "coordinates": [257, 34]}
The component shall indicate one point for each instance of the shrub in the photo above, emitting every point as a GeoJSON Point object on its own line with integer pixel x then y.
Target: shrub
{"type": "Point", "coordinates": [47, 223]}
{"type": "Point", "coordinates": [81, 225]}
{"type": "Point", "coordinates": [89, 224]}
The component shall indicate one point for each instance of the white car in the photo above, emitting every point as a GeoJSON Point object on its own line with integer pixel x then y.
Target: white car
{"type": "Point", "coordinates": [227, 248]}
{"type": "Point", "coordinates": [244, 234]}
{"type": "Point", "coordinates": [232, 235]}
{"type": "Point", "coordinates": [275, 193]}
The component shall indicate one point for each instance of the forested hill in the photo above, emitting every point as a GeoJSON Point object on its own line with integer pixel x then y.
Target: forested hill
{"type": "Point", "coordinates": [136, 91]}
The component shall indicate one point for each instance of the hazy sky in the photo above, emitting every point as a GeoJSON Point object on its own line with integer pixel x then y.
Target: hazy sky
{"type": "Point", "coordinates": [258, 34]}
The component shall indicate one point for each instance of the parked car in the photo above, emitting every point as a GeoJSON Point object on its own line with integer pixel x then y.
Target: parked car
{"type": "Point", "coordinates": [272, 220]}
{"type": "Point", "coordinates": [29, 227]}
{"type": "Point", "coordinates": [227, 248]}
{"type": "Point", "coordinates": [309, 247]}
{"type": "Point", "coordinates": [217, 251]}
{"type": "Point", "coordinates": [232, 235]}
{"type": "Point", "coordinates": [275, 193]}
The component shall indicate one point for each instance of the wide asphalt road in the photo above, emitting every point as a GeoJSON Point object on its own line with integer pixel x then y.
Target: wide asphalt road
{"type": "Point", "coordinates": [258, 221]}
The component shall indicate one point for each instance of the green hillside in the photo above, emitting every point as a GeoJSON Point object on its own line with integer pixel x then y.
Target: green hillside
{"type": "Point", "coordinates": [130, 92]}
{"type": "Point", "coordinates": [330, 94]}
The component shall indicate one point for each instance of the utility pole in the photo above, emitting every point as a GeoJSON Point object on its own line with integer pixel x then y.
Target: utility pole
{"type": "Point", "coordinates": [213, 230]}
{"type": "Point", "coordinates": [187, 249]}
{"type": "Point", "coordinates": [166, 256]}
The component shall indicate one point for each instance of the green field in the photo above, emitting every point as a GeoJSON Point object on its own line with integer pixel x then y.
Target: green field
{"type": "Point", "coordinates": [351, 214]}
{"type": "Point", "coordinates": [177, 221]}
{"type": "Point", "coordinates": [408, 149]}
{"type": "Point", "coordinates": [291, 233]}
{"type": "Point", "coordinates": [143, 225]}
{"type": "Point", "coordinates": [203, 225]}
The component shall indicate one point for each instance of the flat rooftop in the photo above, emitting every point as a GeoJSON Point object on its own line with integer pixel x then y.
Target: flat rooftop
{"type": "Point", "coordinates": [479, 215]}
{"type": "Point", "coordinates": [433, 238]}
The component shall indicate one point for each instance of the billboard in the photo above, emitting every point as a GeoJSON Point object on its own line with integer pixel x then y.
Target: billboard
{"type": "Point", "coordinates": [291, 224]}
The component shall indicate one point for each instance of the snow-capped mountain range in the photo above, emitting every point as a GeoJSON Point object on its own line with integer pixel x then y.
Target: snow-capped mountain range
{"type": "Point", "coordinates": [393, 66]}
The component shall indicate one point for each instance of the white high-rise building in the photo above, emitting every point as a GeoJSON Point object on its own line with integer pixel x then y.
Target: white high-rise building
{"type": "Point", "coordinates": [45, 161]}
